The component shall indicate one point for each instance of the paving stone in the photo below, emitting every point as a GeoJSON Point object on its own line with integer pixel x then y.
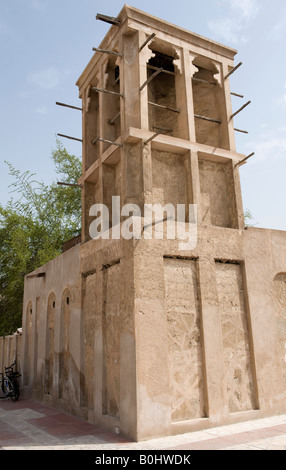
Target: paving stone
{"type": "Point", "coordinates": [28, 426]}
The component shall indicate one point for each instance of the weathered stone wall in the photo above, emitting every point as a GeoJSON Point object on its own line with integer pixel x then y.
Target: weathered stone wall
{"type": "Point", "coordinates": [184, 339]}
{"type": "Point", "coordinates": [169, 180]}
{"type": "Point", "coordinates": [10, 350]}
{"type": "Point", "coordinates": [112, 316]}
{"type": "Point", "coordinates": [91, 320]}
{"type": "Point", "coordinates": [51, 358]}
{"type": "Point", "coordinates": [279, 293]}
{"type": "Point", "coordinates": [154, 342]}
{"type": "Point", "coordinates": [200, 327]}
{"type": "Point", "coordinates": [235, 335]}
{"type": "Point", "coordinates": [109, 341]}
{"type": "Point", "coordinates": [217, 189]}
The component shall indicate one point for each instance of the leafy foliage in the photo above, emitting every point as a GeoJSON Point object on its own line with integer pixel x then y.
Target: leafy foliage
{"type": "Point", "coordinates": [33, 228]}
{"type": "Point", "coordinates": [248, 218]}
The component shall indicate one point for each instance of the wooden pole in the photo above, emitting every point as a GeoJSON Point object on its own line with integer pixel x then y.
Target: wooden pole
{"type": "Point", "coordinates": [107, 91]}
{"type": "Point", "coordinates": [68, 106]}
{"type": "Point", "coordinates": [152, 137]}
{"type": "Point", "coordinates": [108, 19]}
{"type": "Point", "coordinates": [106, 51]}
{"type": "Point", "coordinates": [204, 81]}
{"type": "Point", "coordinates": [164, 107]}
{"type": "Point", "coordinates": [152, 67]}
{"type": "Point", "coordinates": [240, 109]}
{"type": "Point", "coordinates": [207, 118]}
{"type": "Point", "coordinates": [146, 42]}
{"type": "Point", "coordinates": [68, 137]}
{"type": "Point", "coordinates": [106, 141]}
{"type": "Point", "coordinates": [236, 94]}
{"type": "Point", "coordinates": [70, 184]}
{"type": "Point", "coordinates": [233, 70]}
{"type": "Point", "coordinates": [244, 160]}
{"type": "Point", "coordinates": [111, 121]}
{"type": "Point", "coordinates": [151, 78]}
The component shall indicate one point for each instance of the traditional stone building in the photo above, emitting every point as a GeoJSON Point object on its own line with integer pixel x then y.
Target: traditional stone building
{"type": "Point", "coordinates": [137, 334]}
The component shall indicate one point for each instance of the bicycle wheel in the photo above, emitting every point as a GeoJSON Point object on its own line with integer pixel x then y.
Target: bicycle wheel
{"type": "Point", "coordinates": [2, 387]}
{"type": "Point", "coordinates": [9, 389]}
{"type": "Point", "coordinates": [16, 389]}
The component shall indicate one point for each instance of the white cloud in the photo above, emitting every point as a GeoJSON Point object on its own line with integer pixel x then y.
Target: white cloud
{"type": "Point", "coordinates": [248, 9]}
{"type": "Point", "coordinates": [46, 79]}
{"type": "Point", "coordinates": [41, 110]}
{"type": "Point", "coordinates": [228, 28]}
{"type": "Point", "coordinates": [231, 27]}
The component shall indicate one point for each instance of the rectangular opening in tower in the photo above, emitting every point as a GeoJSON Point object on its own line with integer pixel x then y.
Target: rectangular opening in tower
{"type": "Point", "coordinates": [209, 105]}
{"type": "Point", "coordinates": [91, 118]}
{"type": "Point", "coordinates": [184, 339]}
{"type": "Point", "coordinates": [111, 121]}
{"type": "Point", "coordinates": [162, 103]}
{"type": "Point", "coordinates": [238, 366]}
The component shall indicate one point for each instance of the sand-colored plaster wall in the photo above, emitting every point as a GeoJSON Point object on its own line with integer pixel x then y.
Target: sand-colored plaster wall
{"type": "Point", "coordinates": [235, 334]}
{"type": "Point", "coordinates": [184, 338]}
{"type": "Point", "coordinates": [279, 292]}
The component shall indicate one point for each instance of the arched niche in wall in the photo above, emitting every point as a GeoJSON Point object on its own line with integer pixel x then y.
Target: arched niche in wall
{"type": "Point", "coordinates": [110, 111]}
{"type": "Point", "coordinates": [50, 344]}
{"type": "Point", "coordinates": [91, 123]}
{"type": "Point", "coordinates": [28, 343]}
{"type": "Point", "coordinates": [279, 294]}
{"type": "Point", "coordinates": [64, 352]}
{"type": "Point", "coordinates": [162, 89]}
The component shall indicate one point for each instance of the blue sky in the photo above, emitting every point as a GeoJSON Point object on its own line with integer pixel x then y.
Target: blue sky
{"type": "Point", "coordinates": [45, 45]}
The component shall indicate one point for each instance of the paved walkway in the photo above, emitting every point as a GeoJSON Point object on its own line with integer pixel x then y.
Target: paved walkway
{"type": "Point", "coordinates": [29, 425]}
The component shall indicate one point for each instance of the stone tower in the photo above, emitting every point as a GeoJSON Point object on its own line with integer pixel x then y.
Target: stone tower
{"type": "Point", "coordinates": [138, 333]}
{"type": "Point", "coordinates": [146, 78]}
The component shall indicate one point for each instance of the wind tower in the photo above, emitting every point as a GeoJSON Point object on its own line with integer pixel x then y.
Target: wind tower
{"type": "Point", "coordinates": [140, 335]}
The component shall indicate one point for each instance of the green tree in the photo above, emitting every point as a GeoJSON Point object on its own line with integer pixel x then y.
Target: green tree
{"type": "Point", "coordinates": [248, 218]}
{"type": "Point", "coordinates": [33, 228]}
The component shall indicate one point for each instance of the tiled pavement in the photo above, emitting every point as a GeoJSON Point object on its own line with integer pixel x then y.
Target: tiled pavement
{"type": "Point", "coordinates": [29, 425]}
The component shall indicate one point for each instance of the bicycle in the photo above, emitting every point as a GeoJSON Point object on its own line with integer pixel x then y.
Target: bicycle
{"type": "Point", "coordinates": [7, 387]}
{"type": "Point", "coordinates": [10, 383]}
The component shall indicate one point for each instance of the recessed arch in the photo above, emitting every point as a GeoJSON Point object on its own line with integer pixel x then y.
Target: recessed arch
{"type": "Point", "coordinates": [50, 344]}
{"type": "Point", "coordinates": [279, 295]}
{"type": "Point", "coordinates": [111, 112]}
{"type": "Point", "coordinates": [28, 344]}
{"type": "Point", "coordinates": [163, 115]}
{"type": "Point", "coordinates": [64, 352]}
